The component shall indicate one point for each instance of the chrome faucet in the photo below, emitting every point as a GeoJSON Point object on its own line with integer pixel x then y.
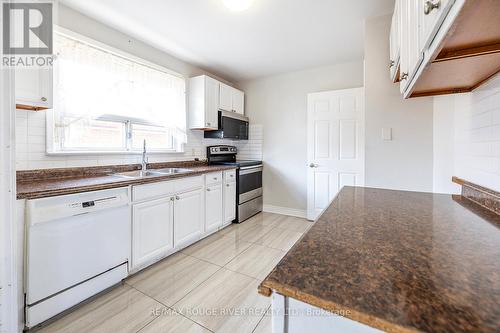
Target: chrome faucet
{"type": "Point", "coordinates": [144, 158]}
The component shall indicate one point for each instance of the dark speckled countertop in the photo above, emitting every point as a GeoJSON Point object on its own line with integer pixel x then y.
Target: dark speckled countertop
{"type": "Point", "coordinates": [399, 261]}
{"type": "Point", "coordinates": [52, 182]}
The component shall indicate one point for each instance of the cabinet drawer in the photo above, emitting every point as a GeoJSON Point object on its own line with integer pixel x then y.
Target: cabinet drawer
{"type": "Point", "coordinates": [188, 184]}
{"type": "Point", "coordinates": [154, 190]}
{"type": "Point", "coordinates": [229, 176]}
{"type": "Point", "coordinates": [161, 189]}
{"type": "Point", "coordinates": [213, 178]}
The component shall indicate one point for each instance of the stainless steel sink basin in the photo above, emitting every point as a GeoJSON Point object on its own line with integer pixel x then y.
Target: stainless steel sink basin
{"type": "Point", "coordinates": [136, 174]}
{"type": "Point", "coordinates": [151, 173]}
{"type": "Point", "coordinates": [170, 171]}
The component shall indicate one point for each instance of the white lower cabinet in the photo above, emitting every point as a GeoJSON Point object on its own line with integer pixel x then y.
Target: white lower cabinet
{"type": "Point", "coordinates": [213, 208]}
{"type": "Point", "coordinates": [152, 231]}
{"type": "Point", "coordinates": [188, 218]}
{"type": "Point", "coordinates": [229, 203]}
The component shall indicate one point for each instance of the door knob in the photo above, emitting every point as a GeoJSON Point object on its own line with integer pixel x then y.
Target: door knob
{"type": "Point", "coordinates": [312, 165]}
{"type": "Point", "coordinates": [429, 6]}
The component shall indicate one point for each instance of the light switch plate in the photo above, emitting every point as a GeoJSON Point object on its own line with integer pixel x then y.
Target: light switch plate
{"type": "Point", "coordinates": [387, 133]}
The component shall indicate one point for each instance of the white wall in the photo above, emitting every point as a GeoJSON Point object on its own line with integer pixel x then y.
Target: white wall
{"type": "Point", "coordinates": [8, 229]}
{"type": "Point", "coordinates": [30, 126]}
{"type": "Point", "coordinates": [279, 103]}
{"type": "Point", "coordinates": [470, 147]}
{"type": "Point", "coordinates": [406, 162]}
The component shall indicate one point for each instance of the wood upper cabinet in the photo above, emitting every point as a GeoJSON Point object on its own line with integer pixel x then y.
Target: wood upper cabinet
{"type": "Point", "coordinates": [34, 88]}
{"type": "Point", "coordinates": [446, 46]}
{"type": "Point", "coordinates": [152, 230]}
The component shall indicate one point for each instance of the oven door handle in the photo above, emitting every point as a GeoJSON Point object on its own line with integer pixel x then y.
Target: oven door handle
{"type": "Point", "coordinates": [249, 170]}
{"type": "Point", "coordinates": [252, 167]}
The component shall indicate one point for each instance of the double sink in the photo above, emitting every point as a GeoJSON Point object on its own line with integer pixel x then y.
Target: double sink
{"type": "Point", "coordinates": [138, 174]}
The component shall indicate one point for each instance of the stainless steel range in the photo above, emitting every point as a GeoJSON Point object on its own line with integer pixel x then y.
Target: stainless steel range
{"type": "Point", "coordinates": [249, 180]}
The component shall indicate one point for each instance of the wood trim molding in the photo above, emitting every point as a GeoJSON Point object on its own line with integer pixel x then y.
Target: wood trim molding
{"type": "Point", "coordinates": [485, 197]}
{"type": "Point", "coordinates": [447, 55]}
{"type": "Point", "coordinates": [30, 107]}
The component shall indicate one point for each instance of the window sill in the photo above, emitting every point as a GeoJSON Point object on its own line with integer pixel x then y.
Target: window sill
{"type": "Point", "coordinates": [89, 153]}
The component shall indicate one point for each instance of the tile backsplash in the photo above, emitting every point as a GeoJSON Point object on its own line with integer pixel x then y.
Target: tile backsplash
{"type": "Point", "coordinates": [477, 135]}
{"type": "Point", "coordinates": [31, 147]}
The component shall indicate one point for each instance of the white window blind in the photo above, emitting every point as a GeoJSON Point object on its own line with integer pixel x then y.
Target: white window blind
{"type": "Point", "coordinates": [108, 102]}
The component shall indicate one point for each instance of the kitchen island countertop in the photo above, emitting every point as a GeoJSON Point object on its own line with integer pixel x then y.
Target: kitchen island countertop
{"type": "Point", "coordinates": [398, 261]}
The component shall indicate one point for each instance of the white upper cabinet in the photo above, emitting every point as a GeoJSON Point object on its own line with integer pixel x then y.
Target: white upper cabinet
{"type": "Point", "coordinates": [445, 46]}
{"type": "Point", "coordinates": [238, 101]}
{"type": "Point", "coordinates": [34, 88]}
{"type": "Point", "coordinates": [395, 46]}
{"type": "Point", "coordinates": [203, 103]}
{"type": "Point", "coordinates": [206, 97]}
{"type": "Point", "coordinates": [432, 14]}
{"type": "Point", "coordinates": [226, 97]}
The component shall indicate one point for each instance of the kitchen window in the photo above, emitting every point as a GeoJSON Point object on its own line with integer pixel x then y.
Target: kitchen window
{"type": "Point", "coordinates": [106, 101]}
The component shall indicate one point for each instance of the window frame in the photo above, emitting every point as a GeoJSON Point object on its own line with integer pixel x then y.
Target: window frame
{"type": "Point", "coordinates": [56, 149]}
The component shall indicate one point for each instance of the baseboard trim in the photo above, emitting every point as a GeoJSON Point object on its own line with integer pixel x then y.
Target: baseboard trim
{"type": "Point", "coordinates": [285, 211]}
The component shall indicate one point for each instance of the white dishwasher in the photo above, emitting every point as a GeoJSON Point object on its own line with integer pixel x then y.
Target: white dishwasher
{"type": "Point", "coordinates": [76, 246]}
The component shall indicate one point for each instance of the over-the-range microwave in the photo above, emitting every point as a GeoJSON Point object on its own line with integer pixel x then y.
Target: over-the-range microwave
{"type": "Point", "coordinates": [231, 126]}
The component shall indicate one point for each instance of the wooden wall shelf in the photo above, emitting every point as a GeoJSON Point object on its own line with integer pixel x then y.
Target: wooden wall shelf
{"type": "Point", "coordinates": [468, 56]}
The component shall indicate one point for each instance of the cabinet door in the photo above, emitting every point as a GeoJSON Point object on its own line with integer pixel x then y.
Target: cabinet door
{"type": "Point", "coordinates": [238, 101]}
{"type": "Point", "coordinates": [188, 219]}
{"type": "Point", "coordinates": [433, 13]}
{"type": "Point", "coordinates": [394, 44]}
{"type": "Point", "coordinates": [226, 97]}
{"type": "Point", "coordinates": [229, 202]}
{"type": "Point", "coordinates": [415, 55]}
{"type": "Point", "coordinates": [404, 43]}
{"type": "Point", "coordinates": [152, 231]}
{"type": "Point", "coordinates": [213, 208]}
{"type": "Point", "coordinates": [34, 87]}
{"type": "Point", "coordinates": [211, 103]}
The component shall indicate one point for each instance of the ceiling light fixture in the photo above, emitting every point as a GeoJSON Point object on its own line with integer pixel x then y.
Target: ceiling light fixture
{"type": "Point", "coordinates": [237, 5]}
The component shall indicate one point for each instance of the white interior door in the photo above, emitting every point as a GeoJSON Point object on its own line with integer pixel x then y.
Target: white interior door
{"type": "Point", "coordinates": [335, 145]}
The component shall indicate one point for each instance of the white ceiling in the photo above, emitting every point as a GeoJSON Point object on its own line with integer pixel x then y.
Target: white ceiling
{"type": "Point", "coordinates": [273, 36]}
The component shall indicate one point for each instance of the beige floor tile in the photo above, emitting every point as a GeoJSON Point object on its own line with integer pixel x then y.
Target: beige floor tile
{"type": "Point", "coordinates": [265, 325]}
{"type": "Point", "coordinates": [172, 322]}
{"type": "Point", "coordinates": [294, 224]}
{"type": "Point", "coordinates": [257, 261]}
{"type": "Point", "coordinates": [123, 309]}
{"type": "Point", "coordinates": [250, 233]}
{"type": "Point", "coordinates": [220, 251]}
{"type": "Point", "coordinates": [278, 238]}
{"type": "Point", "coordinates": [226, 302]}
{"type": "Point", "coordinates": [173, 278]}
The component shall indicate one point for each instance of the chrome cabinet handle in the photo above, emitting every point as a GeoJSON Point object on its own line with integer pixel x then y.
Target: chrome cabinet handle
{"type": "Point", "coordinates": [429, 6]}
{"type": "Point", "coordinates": [172, 199]}
{"type": "Point", "coordinates": [208, 124]}
{"type": "Point", "coordinates": [208, 190]}
{"type": "Point", "coordinates": [177, 197]}
{"type": "Point", "coordinates": [44, 99]}
{"type": "Point", "coordinates": [391, 63]}
{"type": "Point", "coordinates": [227, 185]}
{"type": "Point", "coordinates": [404, 76]}
{"type": "Point", "coordinates": [312, 165]}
